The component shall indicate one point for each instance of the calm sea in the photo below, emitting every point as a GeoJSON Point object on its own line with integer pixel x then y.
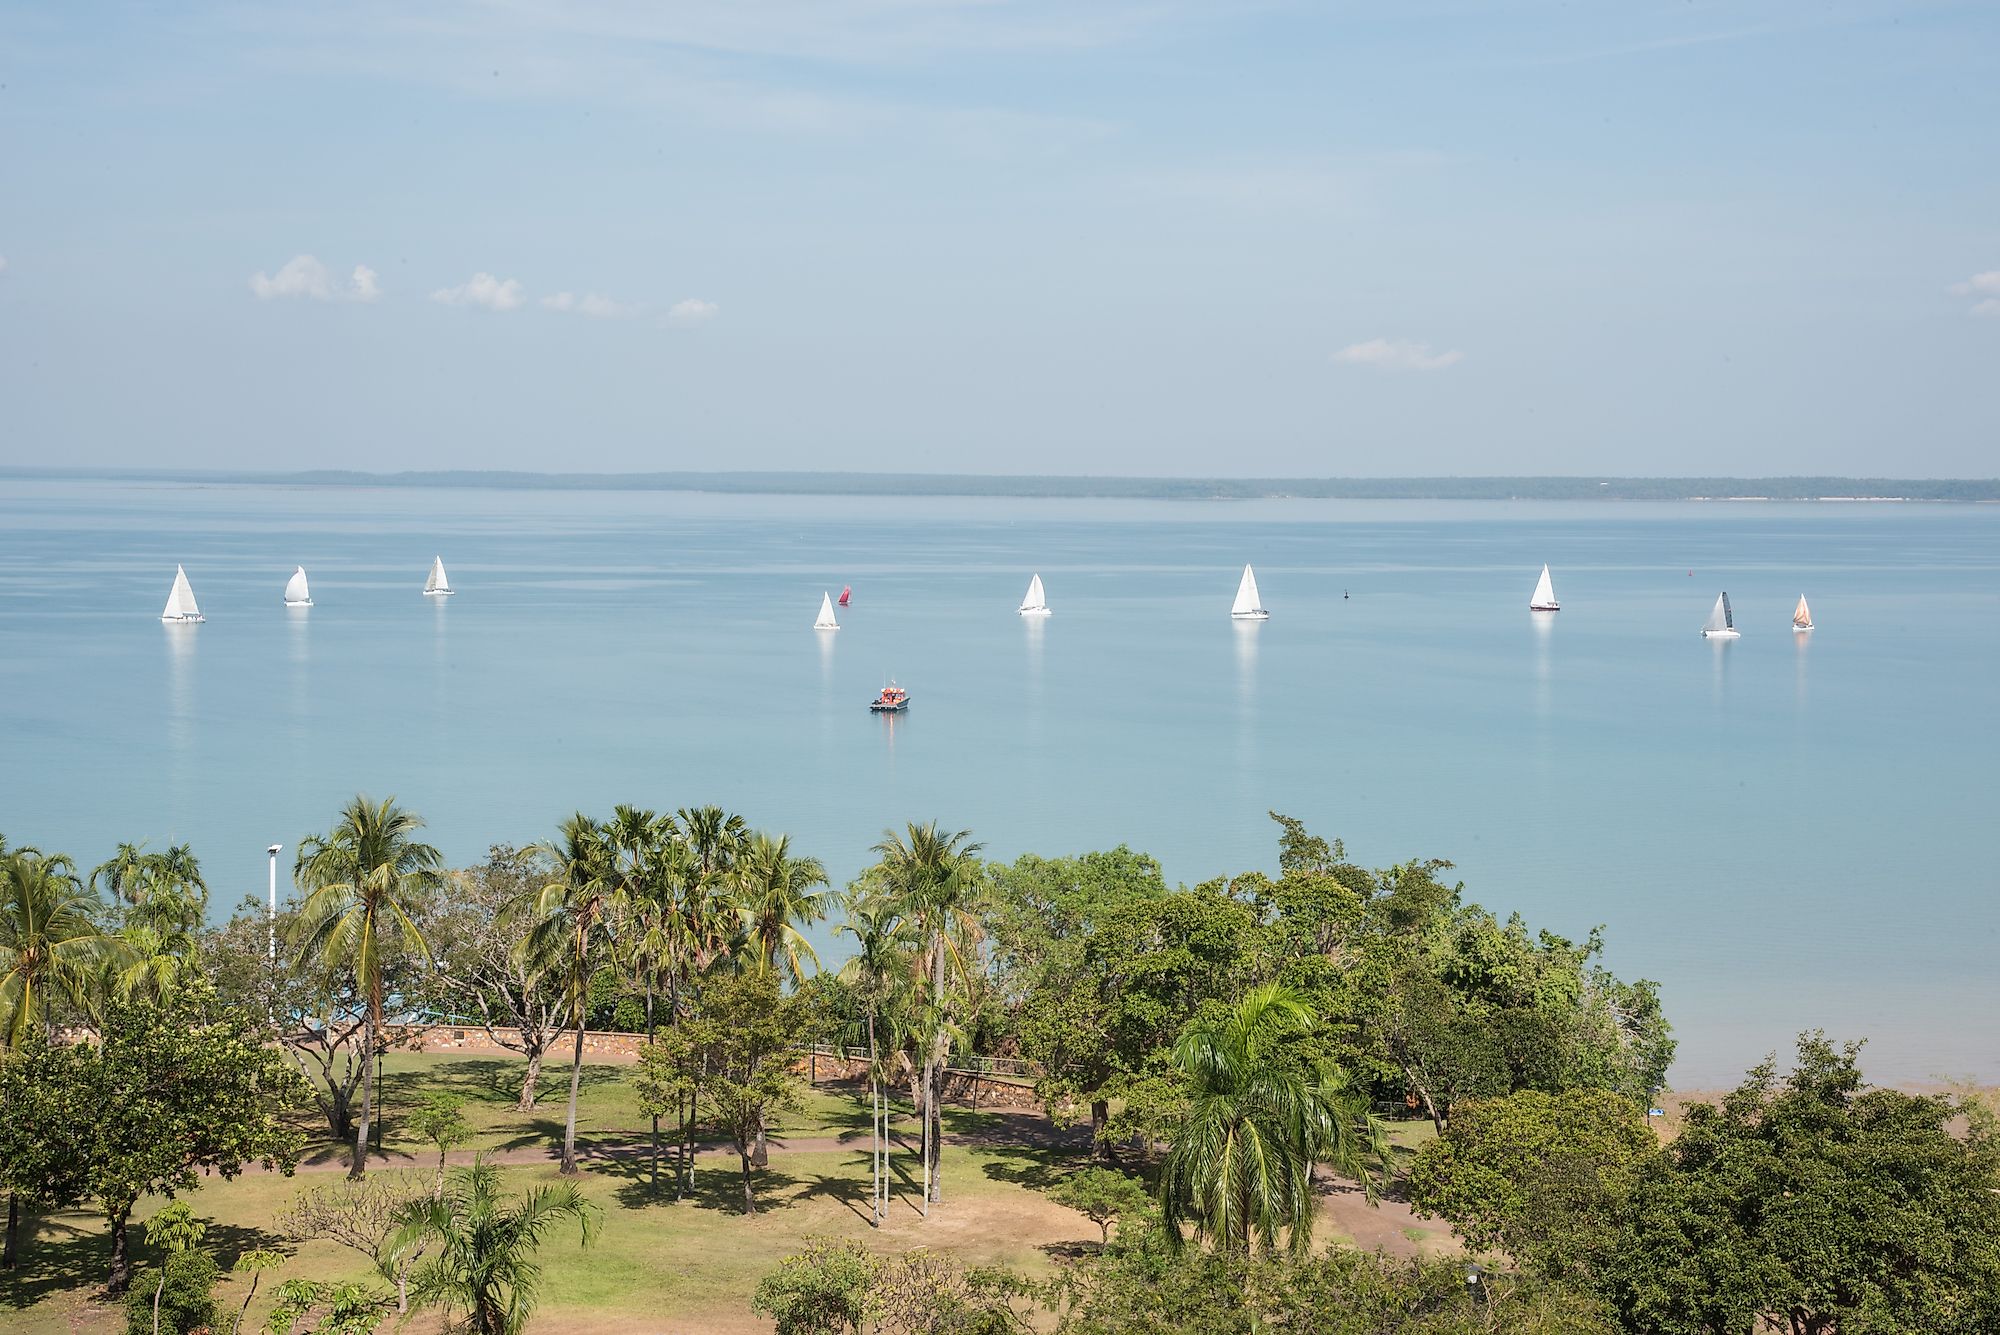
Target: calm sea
{"type": "Point", "coordinates": [1786, 832]}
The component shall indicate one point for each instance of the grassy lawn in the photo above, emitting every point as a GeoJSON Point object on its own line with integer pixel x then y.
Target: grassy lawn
{"type": "Point", "coordinates": [656, 1266]}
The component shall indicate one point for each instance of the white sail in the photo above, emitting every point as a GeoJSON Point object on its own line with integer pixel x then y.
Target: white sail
{"type": "Point", "coordinates": [296, 593]}
{"type": "Point", "coordinates": [1036, 604]}
{"type": "Point", "coordinates": [1249, 607]}
{"type": "Point", "coordinates": [826, 621]}
{"type": "Point", "coordinates": [1721, 623]}
{"type": "Point", "coordinates": [1802, 615]}
{"type": "Point", "coordinates": [1544, 598]}
{"type": "Point", "coordinates": [180, 600]}
{"type": "Point", "coordinates": [437, 584]}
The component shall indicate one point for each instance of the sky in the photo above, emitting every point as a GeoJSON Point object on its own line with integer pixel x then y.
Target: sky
{"type": "Point", "coordinates": [1155, 237]}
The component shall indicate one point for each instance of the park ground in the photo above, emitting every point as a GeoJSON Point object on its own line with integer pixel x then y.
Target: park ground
{"type": "Point", "coordinates": [658, 1266]}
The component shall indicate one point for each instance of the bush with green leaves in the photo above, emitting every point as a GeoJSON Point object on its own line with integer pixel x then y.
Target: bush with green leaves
{"type": "Point", "coordinates": [1104, 1196]}
{"type": "Point", "coordinates": [821, 1291]}
{"type": "Point", "coordinates": [185, 1293]}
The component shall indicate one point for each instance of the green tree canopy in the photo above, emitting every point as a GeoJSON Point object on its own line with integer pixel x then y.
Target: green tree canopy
{"type": "Point", "coordinates": [1815, 1204]}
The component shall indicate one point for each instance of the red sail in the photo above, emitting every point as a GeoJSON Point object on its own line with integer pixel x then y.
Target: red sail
{"type": "Point", "coordinates": [846, 592]}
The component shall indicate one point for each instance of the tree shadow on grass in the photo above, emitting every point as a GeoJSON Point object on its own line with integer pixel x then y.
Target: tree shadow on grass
{"type": "Point", "coordinates": [71, 1253]}
{"type": "Point", "coordinates": [1039, 1169]}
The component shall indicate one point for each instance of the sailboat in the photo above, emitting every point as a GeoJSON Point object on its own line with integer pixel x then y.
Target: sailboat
{"type": "Point", "coordinates": [826, 621]}
{"type": "Point", "coordinates": [1036, 604]}
{"type": "Point", "coordinates": [181, 609]}
{"type": "Point", "coordinates": [296, 593]}
{"type": "Point", "coordinates": [1544, 597]}
{"type": "Point", "coordinates": [846, 592]}
{"type": "Point", "coordinates": [1802, 615]}
{"type": "Point", "coordinates": [437, 586]}
{"type": "Point", "coordinates": [1721, 623]}
{"type": "Point", "coordinates": [1249, 607]}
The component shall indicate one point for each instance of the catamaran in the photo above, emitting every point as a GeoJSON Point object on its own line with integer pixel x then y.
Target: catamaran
{"type": "Point", "coordinates": [1036, 604]}
{"type": "Point", "coordinates": [1802, 615]}
{"type": "Point", "coordinates": [1721, 623]}
{"type": "Point", "coordinates": [296, 593]}
{"type": "Point", "coordinates": [181, 609]}
{"type": "Point", "coordinates": [1544, 597]}
{"type": "Point", "coordinates": [846, 592]}
{"type": "Point", "coordinates": [826, 621]}
{"type": "Point", "coordinates": [1249, 607]}
{"type": "Point", "coordinates": [437, 586]}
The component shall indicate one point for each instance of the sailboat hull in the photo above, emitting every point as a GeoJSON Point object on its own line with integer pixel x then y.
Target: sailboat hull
{"type": "Point", "coordinates": [183, 620]}
{"type": "Point", "coordinates": [1722, 635]}
{"type": "Point", "coordinates": [1034, 611]}
{"type": "Point", "coordinates": [298, 602]}
{"type": "Point", "coordinates": [439, 593]}
{"type": "Point", "coordinates": [1802, 630]}
{"type": "Point", "coordinates": [1545, 607]}
{"type": "Point", "coordinates": [1259, 615]}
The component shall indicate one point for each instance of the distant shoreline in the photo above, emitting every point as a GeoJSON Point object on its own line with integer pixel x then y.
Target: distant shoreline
{"type": "Point", "coordinates": [1709, 489]}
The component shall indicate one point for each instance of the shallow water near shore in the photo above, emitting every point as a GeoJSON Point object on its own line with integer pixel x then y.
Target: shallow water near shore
{"type": "Point", "coordinates": [1785, 831]}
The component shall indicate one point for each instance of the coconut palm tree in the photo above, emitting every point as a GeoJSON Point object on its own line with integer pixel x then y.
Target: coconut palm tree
{"type": "Point", "coordinates": [486, 1244]}
{"type": "Point", "coordinates": [933, 875]}
{"type": "Point", "coordinates": [51, 946]}
{"type": "Point", "coordinates": [652, 865]}
{"type": "Point", "coordinates": [569, 925]}
{"type": "Point", "coordinates": [366, 882]}
{"type": "Point", "coordinates": [1258, 1119]}
{"type": "Point", "coordinates": [878, 972]}
{"type": "Point", "coordinates": [776, 895]}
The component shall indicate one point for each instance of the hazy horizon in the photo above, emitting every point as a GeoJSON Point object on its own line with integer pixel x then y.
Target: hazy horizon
{"type": "Point", "coordinates": [1146, 240]}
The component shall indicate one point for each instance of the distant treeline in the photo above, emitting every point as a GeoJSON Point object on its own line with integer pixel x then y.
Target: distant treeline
{"type": "Point", "coordinates": [1123, 488]}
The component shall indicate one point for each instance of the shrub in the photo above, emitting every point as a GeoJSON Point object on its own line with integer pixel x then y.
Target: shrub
{"type": "Point", "coordinates": [187, 1302]}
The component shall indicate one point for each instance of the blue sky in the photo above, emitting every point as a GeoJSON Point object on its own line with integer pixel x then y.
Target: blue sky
{"type": "Point", "coordinates": [979, 235]}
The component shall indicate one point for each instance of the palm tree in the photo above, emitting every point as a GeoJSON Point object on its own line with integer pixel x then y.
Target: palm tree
{"type": "Point", "coordinates": [570, 921]}
{"type": "Point", "coordinates": [486, 1264]}
{"type": "Point", "coordinates": [652, 865]}
{"type": "Point", "coordinates": [777, 893]}
{"type": "Point", "coordinates": [365, 881]}
{"type": "Point", "coordinates": [932, 876]}
{"type": "Point", "coordinates": [1241, 1167]}
{"type": "Point", "coordinates": [874, 971]}
{"type": "Point", "coordinates": [51, 946]}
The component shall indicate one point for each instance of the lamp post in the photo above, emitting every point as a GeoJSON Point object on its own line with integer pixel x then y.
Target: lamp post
{"type": "Point", "coordinates": [271, 915]}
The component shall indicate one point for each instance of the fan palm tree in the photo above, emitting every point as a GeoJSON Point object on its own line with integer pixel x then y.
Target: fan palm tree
{"type": "Point", "coordinates": [932, 876]}
{"type": "Point", "coordinates": [776, 895]}
{"type": "Point", "coordinates": [51, 946]}
{"type": "Point", "coordinates": [569, 924]}
{"type": "Point", "coordinates": [366, 881]}
{"type": "Point", "coordinates": [1241, 1166]}
{"type": "Point", "coordinates": [486, 1266]}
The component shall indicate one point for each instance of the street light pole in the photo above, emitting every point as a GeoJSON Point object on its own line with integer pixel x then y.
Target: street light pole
{"type": "Point", "coordinates": [271, 916]}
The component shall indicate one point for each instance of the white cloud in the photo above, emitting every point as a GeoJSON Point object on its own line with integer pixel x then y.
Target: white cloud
{"type": "Point", "coordinates": [692, 310]}
{"type": "Point", "coordinates": [590, 303]}
{"type": "Point", "coordinates": [1985, 286]}
{"type": "Point", "coordinates": [482, 289]}
{"type": "Point", "coordinates": [1397, 354]}
{"type": "Point", "coordinates": [305, 276]}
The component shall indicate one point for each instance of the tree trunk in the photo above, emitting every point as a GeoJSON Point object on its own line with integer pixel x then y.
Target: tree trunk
{"type": "Point", "coordinates": [121, 1256]}
{"type": "Point", "coordinates": [655, 1141]}
{"type": "Point", "coordinates": [760, 1154]}
{"type": "Point", "coordinates": [575, 1079]}
{"type": "Point", "coordinates": [749, 1191]}
{"type": "Point", "coordinates": [159, 1289]}
{"type": "Point", "coordinates": [1100, 1139]}
{"type": "Point", "coordinates": [359, 1167]}
{"type": "Point", "coordinates": [12, 1251]}
{"type": "Point", "coordinates": [244, 1311]}
{"type": "Point", "coordinates": [526, 1103]}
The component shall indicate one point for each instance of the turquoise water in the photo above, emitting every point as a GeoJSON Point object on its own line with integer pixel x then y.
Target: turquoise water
{"type": "Point", "coordinates": [1784, 832]}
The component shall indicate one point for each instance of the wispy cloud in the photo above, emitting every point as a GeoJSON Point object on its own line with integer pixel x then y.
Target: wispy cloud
{"type": "Point", "coordinates": [1985, 287]}
{"type": "Point", "coordinates": [692, 310]}
{"type": "Point", "coordinates": [1397, 354]}
{"type": "Point", "coordinates": [304, 276]}
{"type": "Point", "coordinates": [482, 289]}
{"type": "Point", "coordinates": [590, 303]}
